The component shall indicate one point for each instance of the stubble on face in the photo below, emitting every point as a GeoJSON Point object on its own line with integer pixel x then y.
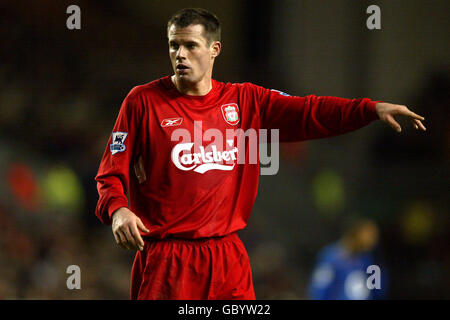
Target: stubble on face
{"type": "Point", "coordinates": [190, 55]}
{"type": "Point", "coordinates": [189, 49]}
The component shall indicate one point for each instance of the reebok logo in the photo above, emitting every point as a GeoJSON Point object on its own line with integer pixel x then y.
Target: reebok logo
{"type": "Point", "coordinates": [171, 122]}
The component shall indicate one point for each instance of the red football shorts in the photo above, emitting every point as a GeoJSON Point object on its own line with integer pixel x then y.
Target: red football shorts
{"type": "Point", "coordinates": [212, 268]}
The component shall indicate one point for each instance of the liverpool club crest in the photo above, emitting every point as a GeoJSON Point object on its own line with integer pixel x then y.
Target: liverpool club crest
{"type": "Point", "coordinates": [230, 113]}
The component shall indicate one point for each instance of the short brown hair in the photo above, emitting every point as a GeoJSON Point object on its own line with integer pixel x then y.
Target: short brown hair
{"type": "Point", "coordinates": [189, 16]}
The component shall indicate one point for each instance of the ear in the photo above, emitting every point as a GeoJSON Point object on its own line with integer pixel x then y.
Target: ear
{"type": "Point", "coordinates": [215, 48]}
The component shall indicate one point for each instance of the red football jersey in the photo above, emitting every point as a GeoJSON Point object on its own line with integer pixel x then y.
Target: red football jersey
{"type": "Point", "coordinates": [189, 180]}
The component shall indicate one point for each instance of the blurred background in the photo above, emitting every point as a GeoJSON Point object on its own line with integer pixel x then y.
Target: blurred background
{"type": "Point", "coordinates": [61, 90]}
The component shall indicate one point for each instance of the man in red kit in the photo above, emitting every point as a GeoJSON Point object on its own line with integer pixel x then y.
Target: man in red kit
{"type": "Point", "coordinates": [189, 197]}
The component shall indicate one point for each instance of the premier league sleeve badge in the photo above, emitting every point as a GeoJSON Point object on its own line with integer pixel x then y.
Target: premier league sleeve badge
{"type": "Point", "coordinates": [118, 139]}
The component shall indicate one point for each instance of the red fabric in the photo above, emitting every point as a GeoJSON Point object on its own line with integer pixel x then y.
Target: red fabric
{"type": "Point", "coordinates": [24, 185]}
{"type": "Point", "coordinates": [186, 204]}
{"type": "Point", "coordinates": [211, 269]}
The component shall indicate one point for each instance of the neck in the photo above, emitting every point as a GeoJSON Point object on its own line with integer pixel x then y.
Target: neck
{"type": "Point", "coordinates": [200, 88]}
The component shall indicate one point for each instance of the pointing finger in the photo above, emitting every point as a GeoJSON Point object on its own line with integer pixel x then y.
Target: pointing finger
{"type": "Point", "coordinates": [419, 123]}
{"type": "Point", "coordinates": [394, 124]}
{"type": "Point", "coordinates": [413, 115]}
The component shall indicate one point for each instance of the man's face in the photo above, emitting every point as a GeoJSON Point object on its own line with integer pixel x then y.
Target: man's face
{"type": "Point", "coordinates": [367, 237]}
{"type": "Point", "coordinates": [191, 54]}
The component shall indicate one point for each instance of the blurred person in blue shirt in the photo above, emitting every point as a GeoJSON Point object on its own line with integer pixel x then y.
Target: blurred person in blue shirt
{"type": "Point", "coordinates": [341, 271]}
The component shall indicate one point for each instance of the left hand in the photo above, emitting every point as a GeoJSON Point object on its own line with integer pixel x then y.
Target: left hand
{"type": "Point", "coordinates": [387, 111]}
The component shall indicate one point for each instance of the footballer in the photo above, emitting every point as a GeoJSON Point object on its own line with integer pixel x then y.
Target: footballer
{"type": "Point", "coordinates": [187, 198]}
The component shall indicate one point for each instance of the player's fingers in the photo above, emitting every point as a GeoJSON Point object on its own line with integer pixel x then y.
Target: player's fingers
{"type": "Point", "coordinates": [394, 124]}
{"type": "Point", "coordinates": [116, 238]}
{"type": "Point", "coordinates": [419, 123]}
{"type": "Point", "coordinates": [120, 237]}
{"type": "Point", "coordinates": [125, 241]}
{"type": "Point", "coordinates": [124, 238]}
{"type": "Point", "coordinates": [130, 239]}
{"type": "Point", "coordinates": [137, 237]}
{"type": "Point", "coordinates": [409, 113]}
{"type": "Point", "coordinates": [141, 226]}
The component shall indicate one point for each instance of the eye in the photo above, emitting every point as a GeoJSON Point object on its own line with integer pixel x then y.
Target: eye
{"type": "Point", "coordinates": [173, 46]}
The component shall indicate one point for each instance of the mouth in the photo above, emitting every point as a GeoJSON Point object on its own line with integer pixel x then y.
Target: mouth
{"type": "Point", "coordinates": [182, 67]}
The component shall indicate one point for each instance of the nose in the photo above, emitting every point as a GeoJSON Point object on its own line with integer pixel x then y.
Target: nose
{"type": "Point", "coordinates": [181, 53]}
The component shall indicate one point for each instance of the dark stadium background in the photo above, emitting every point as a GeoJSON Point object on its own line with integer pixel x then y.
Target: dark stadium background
{"type": "Point", "coordinates": [60, 92]}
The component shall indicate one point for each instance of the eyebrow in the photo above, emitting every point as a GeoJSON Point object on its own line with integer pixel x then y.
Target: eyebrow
{"type": "Point", "coordinates": [185, 42]}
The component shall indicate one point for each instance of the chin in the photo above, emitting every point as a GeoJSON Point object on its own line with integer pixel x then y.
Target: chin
{"type": "Point", "coordinates": [185, 78]}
